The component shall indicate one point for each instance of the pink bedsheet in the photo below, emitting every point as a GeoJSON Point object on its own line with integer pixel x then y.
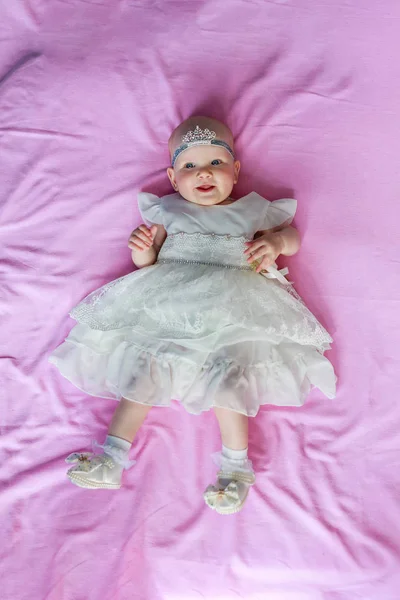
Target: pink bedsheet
{"type": "Point", "coordinates": [90, 91]}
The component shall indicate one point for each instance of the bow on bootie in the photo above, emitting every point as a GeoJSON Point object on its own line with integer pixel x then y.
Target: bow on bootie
{"type": "Point", "coordinates": [222, 498]}
{"type": "Point", "coordinates": [76, 457]}
{"type": "Point", "coordinates": [86, 461]}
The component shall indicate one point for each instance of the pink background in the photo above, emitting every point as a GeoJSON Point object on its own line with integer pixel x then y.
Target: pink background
{"type": "Point", "coordinates": [90, 91]}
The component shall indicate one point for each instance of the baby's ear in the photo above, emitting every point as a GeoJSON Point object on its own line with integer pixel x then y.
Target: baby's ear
{"type": "Point", "coordinates": [171, 177]}
{"type": "Point", "coordinates": [236, 168]}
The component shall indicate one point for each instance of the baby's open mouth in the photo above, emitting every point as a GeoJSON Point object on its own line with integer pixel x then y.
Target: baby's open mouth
{"type": "Point", "coordinates": [205, 188]}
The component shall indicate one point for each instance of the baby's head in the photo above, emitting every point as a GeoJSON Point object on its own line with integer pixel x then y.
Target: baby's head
{"type": "Point", "coordinates": [204, 169]}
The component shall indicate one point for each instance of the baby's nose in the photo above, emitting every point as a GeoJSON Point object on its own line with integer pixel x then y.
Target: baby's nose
{"type": "Point", "coordinates": [204, 172]}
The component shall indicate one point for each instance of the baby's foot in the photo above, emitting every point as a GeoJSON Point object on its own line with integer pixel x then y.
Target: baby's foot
{"type": "Point", "coordinates": [230, 492]}
{"type": "Point", "coordinates": [94, 471]}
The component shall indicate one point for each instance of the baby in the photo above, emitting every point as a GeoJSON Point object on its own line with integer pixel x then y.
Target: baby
{"type": "Point", "coordinates": [207, 318]}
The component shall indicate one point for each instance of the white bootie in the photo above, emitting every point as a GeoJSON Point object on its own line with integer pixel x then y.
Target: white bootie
{"type": "Point", "coordinates": [94, 471]}
{"type": "Point", "coordinates": [101, 471]}
{"type": "Point", "coordinates": [229, 493]}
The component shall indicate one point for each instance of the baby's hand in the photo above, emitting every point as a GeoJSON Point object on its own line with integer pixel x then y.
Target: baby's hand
{"type": "Point", "coordinates": [267, 247]}
{"type": "Point", "coordinates": [142, 238]}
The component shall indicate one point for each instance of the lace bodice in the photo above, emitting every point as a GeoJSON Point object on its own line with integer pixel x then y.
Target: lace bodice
{"type": "Point", "coordinates": [219, 250]}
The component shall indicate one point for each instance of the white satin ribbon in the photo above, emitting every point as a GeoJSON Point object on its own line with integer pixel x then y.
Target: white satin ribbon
{"type": "Point", "coordinates": [274, 273]}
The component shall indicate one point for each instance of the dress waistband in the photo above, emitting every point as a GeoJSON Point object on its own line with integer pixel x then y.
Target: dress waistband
{"type": "Point", "coordinates": [211, 249]}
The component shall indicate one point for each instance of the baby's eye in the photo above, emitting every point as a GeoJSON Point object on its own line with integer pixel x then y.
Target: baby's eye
{"type": "Point", "coordinates": [189, 166]}
{"type": "Point", "coordinates": [215, 162]}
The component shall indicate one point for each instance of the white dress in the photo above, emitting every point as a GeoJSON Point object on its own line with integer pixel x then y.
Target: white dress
{"type": "Point", "coordinates": [199, 325]}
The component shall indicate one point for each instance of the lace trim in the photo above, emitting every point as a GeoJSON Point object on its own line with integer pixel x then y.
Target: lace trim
{"type": "Point", "coordinates": [197, 262]}
{"type": "Point", "coordinates": [197, 234]}
{"type": "Point", "coordinates": [226, 465]}
{"type": "Point", "coordinates": [116, 453]}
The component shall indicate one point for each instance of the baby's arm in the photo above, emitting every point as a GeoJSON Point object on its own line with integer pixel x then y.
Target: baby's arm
{"type": "Point", "coordinates": [289, 237]}
{"type": "Point", "coordinates": [269, 244]}
{"type": "Point", "coordinates": [146, 243]}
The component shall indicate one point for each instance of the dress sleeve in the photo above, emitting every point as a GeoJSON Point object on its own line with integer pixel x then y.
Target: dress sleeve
{"type": "Point", "coordinates": [150, 207]}
{"type": "Point", "coordinates": [278, 212]}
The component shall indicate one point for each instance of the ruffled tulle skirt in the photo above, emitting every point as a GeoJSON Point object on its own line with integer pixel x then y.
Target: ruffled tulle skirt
{"type": "Point", "coordinates": [205, 334]}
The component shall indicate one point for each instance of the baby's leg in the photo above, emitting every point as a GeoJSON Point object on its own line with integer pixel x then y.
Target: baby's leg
{"type": "Point", "coordinates": [104, 471]}
{"type": "Point", "coordinates": [236, 474]}
{"type": "Point", "coordinates": [233, 427]}
{"type": "Point", "coordinates": [127, 420]}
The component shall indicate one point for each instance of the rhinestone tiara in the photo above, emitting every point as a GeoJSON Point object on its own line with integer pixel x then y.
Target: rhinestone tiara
{"type": "Point", "coordinates": [198, 137]}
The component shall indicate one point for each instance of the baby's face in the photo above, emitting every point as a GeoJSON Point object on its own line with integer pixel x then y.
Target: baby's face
{"type": "Point", "coordinates": [204, 175]}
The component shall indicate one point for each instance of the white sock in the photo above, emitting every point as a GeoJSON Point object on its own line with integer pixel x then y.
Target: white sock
{"type": "Point", "coordinates": [234, 460]}
{"type": "Point", "coordinates": [236, 456]}
{"type": "Point", "coordinates": [118, 449]}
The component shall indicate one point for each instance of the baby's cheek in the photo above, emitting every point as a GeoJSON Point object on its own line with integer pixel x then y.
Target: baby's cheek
{"type": "Point", "coordinates": [184, 178]}
{"type": "Point", "coordinates": [228, 178]}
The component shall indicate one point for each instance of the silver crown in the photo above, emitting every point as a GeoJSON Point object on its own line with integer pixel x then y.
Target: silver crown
{"type": "Point", "coordinates": [199, 136]}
